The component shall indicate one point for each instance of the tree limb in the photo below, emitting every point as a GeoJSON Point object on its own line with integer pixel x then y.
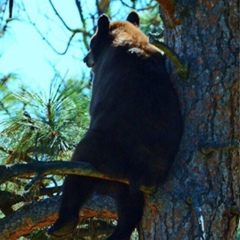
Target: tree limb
{"type": "Point", "coordinates": [181, 66]}
{"type": "Point", "coordinates": [74, 32]}
{"type": "Point", "coordinates": [43, 213]}
{"type": "Point", "coordinates": [40, 169]}
{"type": "Point", "coordinates": [214, 147]}
{"type": "Point", "coordinates": [79, 7]}
{"type": "Point", "coordinates": [10, 8]}
{"type": "Point", "coordinates": [59, 16]}
{"type": "Point", "coordinates": [8, 199]}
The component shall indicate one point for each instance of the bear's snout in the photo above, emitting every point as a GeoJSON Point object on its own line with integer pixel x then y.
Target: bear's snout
{"type": "Point", "coordinates": [89, 60]}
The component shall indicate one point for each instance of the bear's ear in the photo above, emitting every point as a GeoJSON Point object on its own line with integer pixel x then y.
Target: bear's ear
{"type": "Point", "coordinates": [103, 25]}
{"type": "Point", "coordinates": [134, 19]}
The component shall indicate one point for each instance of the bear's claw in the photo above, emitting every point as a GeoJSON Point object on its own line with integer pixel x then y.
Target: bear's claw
{"type": "Point", "coordinates": [61, 229]}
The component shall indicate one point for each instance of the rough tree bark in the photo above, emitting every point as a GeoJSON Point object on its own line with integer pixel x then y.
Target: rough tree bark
{"type": "Point", "coordinates": [43, 213]}
{"type": "Point", "coordinates": [201, 198]}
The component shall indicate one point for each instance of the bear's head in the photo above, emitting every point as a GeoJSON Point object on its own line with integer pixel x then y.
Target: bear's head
{"type": "Point", "coordinates": [120, 34]}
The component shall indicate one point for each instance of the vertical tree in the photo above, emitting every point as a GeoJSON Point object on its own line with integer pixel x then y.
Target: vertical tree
{"type": "Point", "coordinates": [201, 200]}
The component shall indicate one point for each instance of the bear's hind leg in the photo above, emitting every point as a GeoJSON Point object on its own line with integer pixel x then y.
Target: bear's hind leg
{"type": "Point", "coordinates": [130, 211]}
{"type": "Point", "coordinates": [76, 191]}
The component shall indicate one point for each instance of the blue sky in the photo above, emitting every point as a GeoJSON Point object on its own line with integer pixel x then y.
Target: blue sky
{"type": "Point", "coordinates": [23, 51]}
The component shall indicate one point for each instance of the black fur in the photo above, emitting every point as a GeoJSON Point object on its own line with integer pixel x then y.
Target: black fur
{"type": "Point", "coordinates": [135, 127]}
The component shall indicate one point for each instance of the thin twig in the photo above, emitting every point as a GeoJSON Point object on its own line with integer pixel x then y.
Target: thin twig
{"type": "Point", "coordinates": [56, 12]}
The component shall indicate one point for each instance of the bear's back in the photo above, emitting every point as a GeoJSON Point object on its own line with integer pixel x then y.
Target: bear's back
{"type": "Point", "coordinates": [133, 90]}
{"type": "Point", "coordinates": [134, 104]}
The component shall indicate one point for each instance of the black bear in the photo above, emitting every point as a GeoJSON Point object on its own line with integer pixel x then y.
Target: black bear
{"type": "Point", "coordinates": [135, 127]}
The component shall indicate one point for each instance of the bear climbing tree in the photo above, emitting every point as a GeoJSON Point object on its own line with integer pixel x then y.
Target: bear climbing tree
{"type": "Point", "coordinates": [135, 128]}
{"type": "Point", "coordinates": [201, 197]}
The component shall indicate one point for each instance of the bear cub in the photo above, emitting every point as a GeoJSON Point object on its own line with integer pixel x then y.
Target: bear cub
{"type": "Point", "coordinates": [135, 128]}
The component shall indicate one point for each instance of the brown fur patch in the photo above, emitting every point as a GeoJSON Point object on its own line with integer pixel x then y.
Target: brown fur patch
{"type": "Point", "coordinates": [125, 34]}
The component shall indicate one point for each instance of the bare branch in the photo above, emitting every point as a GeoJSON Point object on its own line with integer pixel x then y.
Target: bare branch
{"type": "Point", "coordinates": [10, 8]}
{"type": "Point", "coordinates": [69, 42]}
{"type": "Point", "coordinates": [43, 213]}
{"type": "Point", "coordinates": [181, 66]}
{"type": "Point", "coordinates": [79, 7]}
{"type": "Point", "coordinates": [133, 6]}
{"type": "Point", "coordinates": [215, 147]}
{"type": "Point", "coordinates": [58, 168]}
{"type": "Point", "coordinates": [8, 199]}
{"type": "Point", "coordinates": [74, 32]}
{"type": "Point", "coordinates": [56, 12]}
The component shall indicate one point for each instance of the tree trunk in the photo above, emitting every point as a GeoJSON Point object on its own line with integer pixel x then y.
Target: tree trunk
{"type": "Point", "coordinates": [201, 198]}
